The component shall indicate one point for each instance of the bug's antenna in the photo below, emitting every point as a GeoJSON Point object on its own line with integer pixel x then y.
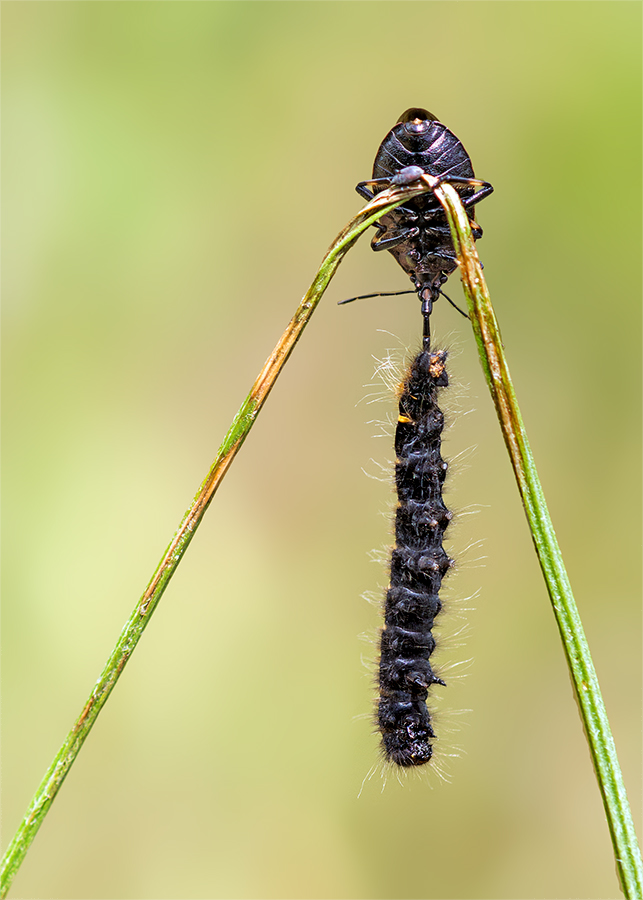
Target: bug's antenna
{"type": "Point", "coordinates": [396, 294]}
{"type": "Point", "coordinates": [379, 294]}
{"type": "Point", "coordinates": [454, 305]}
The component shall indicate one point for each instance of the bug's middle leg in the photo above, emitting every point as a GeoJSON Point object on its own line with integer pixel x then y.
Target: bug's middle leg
{"type": "Point", "coordinates": [380, 242]}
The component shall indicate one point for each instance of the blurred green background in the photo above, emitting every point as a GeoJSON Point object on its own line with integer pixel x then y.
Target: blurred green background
{"type": "Point", "coordinates": [173, 173]}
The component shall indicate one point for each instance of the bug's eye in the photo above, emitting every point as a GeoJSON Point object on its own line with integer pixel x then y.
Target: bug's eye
{"type": "Point", "coordinates": [416, 112]}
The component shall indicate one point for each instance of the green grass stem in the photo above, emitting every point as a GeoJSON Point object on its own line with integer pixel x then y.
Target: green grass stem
{"type": "Point", "coordinates": [590, 703]}
{"type": "Point", "coordinates": [138, 620]}
{"type": "Point", "coordinates": [579, 660]}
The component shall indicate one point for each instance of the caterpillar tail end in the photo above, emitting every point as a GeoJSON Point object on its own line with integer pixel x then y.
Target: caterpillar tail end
{"type": "Point", "coordinates": [406, 731]}
{"type": "Point", "coordinates": [405, 751]}
{"type": "Point", "coordinates": [408, 756]}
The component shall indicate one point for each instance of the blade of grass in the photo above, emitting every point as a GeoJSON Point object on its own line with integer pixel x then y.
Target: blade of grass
{"type": "Point", "coordinates": [138, 620]}
{"type": "Point", "coordinates": [579, 660]}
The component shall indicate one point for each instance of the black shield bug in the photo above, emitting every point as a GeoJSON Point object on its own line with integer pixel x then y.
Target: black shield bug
{"type": "Point", "coordinates": [417, 233]}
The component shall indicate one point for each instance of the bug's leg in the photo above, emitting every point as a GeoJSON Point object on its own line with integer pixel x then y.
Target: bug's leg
{"type": "Point", "coordinates": [484, 188]}
{"type": "Point", "coordinates": [409, 214]}
{"type": "Point", "coordinates": [476, 230]}
{"type": "Point", "coordinates": [478, 196]}
{"type": "Point", "coordinates": [386, 181]}
{"type": "Point", "coordinates": [438, 229]}
{"type": "Point", "coordinates": [363, 190]}
{"type": "Point", "coordinates": [450, 257]}
{"type": "Point", "coordinates": [460, 179]}
{"type": "Point", "coordinates": [438, 214]}
{"type": "Point", "coordinates": [384, 243]}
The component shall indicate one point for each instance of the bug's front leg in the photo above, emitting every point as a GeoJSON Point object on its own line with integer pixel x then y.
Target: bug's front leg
{"type": "Point", "coordinates": [363, 190]}
{"type": "Point", "coordinates": [387, 243]}
{"type": "Point", "coordinates": [483, 191]}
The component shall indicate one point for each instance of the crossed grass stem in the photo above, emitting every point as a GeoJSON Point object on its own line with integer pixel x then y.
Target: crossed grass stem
{"type": "Point", "coordinates": [586, 688]}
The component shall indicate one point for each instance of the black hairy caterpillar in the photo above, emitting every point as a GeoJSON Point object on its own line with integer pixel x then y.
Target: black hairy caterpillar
{"type": "Point", "coordinates": [418, 565]}
{"type": "Point", "coordinates": [417, 234]}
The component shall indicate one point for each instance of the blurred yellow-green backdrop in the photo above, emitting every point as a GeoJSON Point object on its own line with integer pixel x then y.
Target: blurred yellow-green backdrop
{"type": "Point", "coordinates": [173, 173]}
